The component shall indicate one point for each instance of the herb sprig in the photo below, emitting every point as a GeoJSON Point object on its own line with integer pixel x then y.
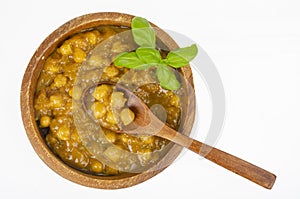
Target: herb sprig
{"type": "Point", "coordinates": [147, 55]}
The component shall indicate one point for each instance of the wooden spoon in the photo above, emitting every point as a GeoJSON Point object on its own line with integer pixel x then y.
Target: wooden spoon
{"type": "Point", "coordinates": [147, 123]}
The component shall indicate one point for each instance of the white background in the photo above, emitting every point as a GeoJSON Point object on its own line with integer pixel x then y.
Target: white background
{"type": "Point", "coordinates": [255, 45]}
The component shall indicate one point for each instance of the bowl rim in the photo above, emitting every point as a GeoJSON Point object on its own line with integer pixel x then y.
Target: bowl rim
{"type": "Point", "coordinates": [30, 78]}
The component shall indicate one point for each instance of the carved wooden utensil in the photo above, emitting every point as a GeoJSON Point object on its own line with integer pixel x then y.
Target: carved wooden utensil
{"type": "Point", "coordinates": [146, 122]}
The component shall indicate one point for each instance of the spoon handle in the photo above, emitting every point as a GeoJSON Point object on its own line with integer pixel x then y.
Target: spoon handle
{"type": "Point", "coordinates": [236, 165]}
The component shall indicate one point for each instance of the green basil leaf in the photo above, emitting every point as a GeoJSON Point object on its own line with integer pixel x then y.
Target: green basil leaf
{"type": "Point", "coordinates": [145, 66]}
{"type": "Point", "coordinates": [163, 74]}
{"type": "Point", "coordinates": [128, 60]}
{"type": "Point", "coordinates": [167, 78]}
{"type": "Point", "coordinates": [148, 55]}
{"type": "Point", "coordinates": [143, 33]}
{"type": "Point", "coordinates": [182, 56]}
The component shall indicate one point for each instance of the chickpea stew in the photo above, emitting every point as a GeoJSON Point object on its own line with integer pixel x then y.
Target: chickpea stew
{"type": "Point", "coordinates": [59, 92]}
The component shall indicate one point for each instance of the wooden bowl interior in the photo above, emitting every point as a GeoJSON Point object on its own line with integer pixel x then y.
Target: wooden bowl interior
{"type": "Point", "coordinates": [28, 114]}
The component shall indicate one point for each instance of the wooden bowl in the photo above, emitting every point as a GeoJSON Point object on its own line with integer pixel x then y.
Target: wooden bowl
{"type": "Point", "coordinates": [28, 114]}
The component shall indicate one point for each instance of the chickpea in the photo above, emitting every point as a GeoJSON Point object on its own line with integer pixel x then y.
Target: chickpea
{"type": "Point", "coordinates": [111, 71]}
{"type": "Point", "coordinates": [173, 112]}
{"type": "Point", "coordinates": [126, 116]}
{"type": "Point", "coordinates": [79, 55]}
{"type": "Point", "coordinates": [147, 139]}
{"type": "Point", "coordinates": [70, 70]}
{"type": "Point", "coordinates": [56, 101]}
{"type": "Point", "coordinates": [59, 111]}
{"type": "Point", "coordinates": [124, 138]}
{"type": "Point", "coordinates": [52, 140]}
{"type": "Point", "coordinates": [42, 103]}
{"type": "Point", "coordinates": [99, 110]}
{"type": "Point", "coordinates": [54, 125]}
{"type": "Point", "coordinates": [111, 136]}
{"type": "Point", "coordinates": [92, 37]}
{"type": "Point", "coordinates": [60, 81]}
{"type": "Point", "coordinates": [65, 49]}
{"type": "Point", "coordinates": [174, 101]}
{"type": "Point", "coordinates": [45, 121]}
{"type": "Point", "coordinates": [118, 100]}
{"type": "Point", "coordinates": [102, 92]}
{"type": "Point", "coordinates": [63, 133]}
{"type": "Point", "coordinates": [111, 118]}
{"type": "Point", "coordinates": [52, 69]}
{"type": "Point", "coordinates": [78, 41]}
{"type": "Point", "coordinates": [64, 119]}
{"type": "Point", "coordinates": [96, 166]}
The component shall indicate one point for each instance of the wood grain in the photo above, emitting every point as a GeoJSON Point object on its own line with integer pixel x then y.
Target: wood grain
{"type": "Point", "coordinates": [237, 165]}
{"type": "Point", "coordinates": [146, 121]}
